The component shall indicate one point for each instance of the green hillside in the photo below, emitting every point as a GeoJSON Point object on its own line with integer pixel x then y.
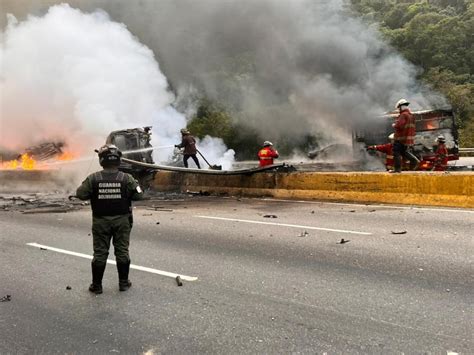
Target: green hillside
{"type": "Point", "coordinates": [438, 36]}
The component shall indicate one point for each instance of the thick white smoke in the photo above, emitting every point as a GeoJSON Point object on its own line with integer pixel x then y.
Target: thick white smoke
{"type": "Point", "coordinates": [75, 77]}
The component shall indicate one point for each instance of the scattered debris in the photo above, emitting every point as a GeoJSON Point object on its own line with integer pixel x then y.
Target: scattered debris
{"type": "Point", "coordinates": [62, 209]}
{"type": "Point", "coordinates": [178, 281]}
{"type": "Point", "coordinates": [400, 232]}
{"type": "Point", "coordinates": [270, 216]}
{"type": "Point", "coordinates": [94, 341]}
{"type": "Point", "coordinates": [6, 298]}
{"type": "Point", "coordinates": [39, 203]}
{"type": "Point", "coordinates": [198, 193]}
{"type": "Point", "coordinates": [448, 290]}
{"type": "Point", "coordinates": [157, 222]}
{"type": "Point", "coordinates": [43, 248]}
{"type": "Point", "coordinates": [372, 210]}
{"type": "Point", "coordinates": [312, 212]}
{"type": "Point", "coordinates": [68, 287]}
{"type": "Point", "coordinates": [352, 210]}
{"type": "Point", "coordinates": [344, 241]}
{"type": "Point", "coordinates": [160, 209]}
{"type": "Point", "coordinates": [303, 234]}
{"type": "Point", "coordinates": [147, 214]}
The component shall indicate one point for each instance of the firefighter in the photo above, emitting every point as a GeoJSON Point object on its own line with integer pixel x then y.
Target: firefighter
{"type": "Point", "coordinates": [110, 192]}
{"type": "Point", "coordinates": [387, 149]}
{"type": "Point", "coordinates": [404, 137]}
{"type": "Point", "coordinates": [189, 144]}
{"type": "Point", "coordinates": [267, 154]}
{"type": "Point", "coordinates": [441, 158]}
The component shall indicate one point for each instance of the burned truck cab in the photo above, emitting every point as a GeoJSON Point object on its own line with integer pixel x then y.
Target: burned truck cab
{"type": "Point", "coordinates": [135, 144]}
{"type": "Point", "coordinates": [429, 125]}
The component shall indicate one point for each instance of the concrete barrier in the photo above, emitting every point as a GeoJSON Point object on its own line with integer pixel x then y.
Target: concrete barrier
{"type": "Point", "coordinates": [410, 188]}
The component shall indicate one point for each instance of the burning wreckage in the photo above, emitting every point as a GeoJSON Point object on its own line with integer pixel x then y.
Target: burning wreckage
{"type": "Point", "coordinates": [138, 160]}
{"type": "Point", "coordinates": [429, 125]}
{"type": "Point", "coordinates": [35, 157]}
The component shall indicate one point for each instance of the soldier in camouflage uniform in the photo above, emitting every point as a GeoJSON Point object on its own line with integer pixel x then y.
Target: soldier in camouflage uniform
{"type": "Point", "coordinates": [111, 193]}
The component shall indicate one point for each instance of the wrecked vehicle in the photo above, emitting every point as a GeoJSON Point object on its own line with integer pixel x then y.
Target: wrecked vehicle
{"type": "Point", "coordinates": [429, 125]}
{"type": "Point", "coordinates": [135, 144]}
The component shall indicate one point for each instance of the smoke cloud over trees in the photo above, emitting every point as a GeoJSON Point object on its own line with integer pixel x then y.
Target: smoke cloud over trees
{"type": "Point", "coordinates": [283, 70]}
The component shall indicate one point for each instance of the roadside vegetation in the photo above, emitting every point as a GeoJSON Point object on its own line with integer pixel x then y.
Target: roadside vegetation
{"type": "Point", "coordinates": [437, 36]}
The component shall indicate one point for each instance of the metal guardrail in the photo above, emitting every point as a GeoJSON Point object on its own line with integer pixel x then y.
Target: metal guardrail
{"type": "Point", "coordinates": [466, 152]}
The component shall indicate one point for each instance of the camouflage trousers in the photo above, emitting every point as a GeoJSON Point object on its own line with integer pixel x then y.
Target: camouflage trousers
{"type": "Point", "coordinates": [111, 228]}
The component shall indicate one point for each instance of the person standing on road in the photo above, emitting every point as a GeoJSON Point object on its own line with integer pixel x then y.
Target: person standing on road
{"type": "Point", "coordinates": [267, 154]}
{"type": "Point", "coordinates": [387, 149]}
{"type": "Point", "coordinates": [404, 137]}
{"type": "Point", "coordinates": [189, 144]}
{"type": "Point", "coordinates": [441, 159]}
{"type": "Point", "coordinates": [111, 193]}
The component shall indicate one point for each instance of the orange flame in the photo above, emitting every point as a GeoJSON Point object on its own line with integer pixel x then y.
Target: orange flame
{"type": "Point", "coordinates": [66, 156]}
{"type": "Point", "coordinates": [25, 162]}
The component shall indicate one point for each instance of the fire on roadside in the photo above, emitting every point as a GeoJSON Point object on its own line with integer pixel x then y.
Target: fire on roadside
{"type": "Point", "coordinates": [27, 162]}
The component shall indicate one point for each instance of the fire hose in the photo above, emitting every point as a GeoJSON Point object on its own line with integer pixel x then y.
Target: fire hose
{"type": "Point", "coordinates": [279, 167]}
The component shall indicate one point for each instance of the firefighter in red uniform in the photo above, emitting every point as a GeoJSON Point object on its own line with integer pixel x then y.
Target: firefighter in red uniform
{"type": "Point", "coordinates": [404, 137]}
{"type": "Point", "coordinates": [441, 159]}
{"type": "Point", "coordinates": [387, 149]}
{"type": "Point", "coordinates": [267, 154]}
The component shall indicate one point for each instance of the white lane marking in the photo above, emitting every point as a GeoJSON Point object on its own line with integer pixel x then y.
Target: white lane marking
{"type": "Point", "coordinates": [371, 205]}
{"type": "Point", "coordinates": [132, 266]}
{"type": "Point", "coordinates": [285, 225]}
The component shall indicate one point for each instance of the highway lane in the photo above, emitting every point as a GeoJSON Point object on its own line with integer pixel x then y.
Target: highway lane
{"type": "Point", "coordinates": [283, 286]}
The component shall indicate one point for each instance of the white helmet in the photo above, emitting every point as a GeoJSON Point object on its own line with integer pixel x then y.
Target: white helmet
{"type": "Point", "coordinates": [391, 136]}
{"type": "Point", "coordinates": [401, 102]}
{"type": "Point", "coordinates": [441, 138]}
{"type": "Point", "coordinates": [267, 143]}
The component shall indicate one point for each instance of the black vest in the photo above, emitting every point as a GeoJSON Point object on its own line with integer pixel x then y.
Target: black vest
{"type": "Point", "coordinates": [109, 194]}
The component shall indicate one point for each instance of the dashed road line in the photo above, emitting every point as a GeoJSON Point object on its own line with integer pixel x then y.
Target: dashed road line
{"type": "Point", "coordinates": [285, 225]}
{"type": "Point", "coordinates": [132, 266]}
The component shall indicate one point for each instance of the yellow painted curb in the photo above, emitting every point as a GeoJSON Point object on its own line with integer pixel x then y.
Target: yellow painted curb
{"type": "Point", "coordinates": [417, 188]}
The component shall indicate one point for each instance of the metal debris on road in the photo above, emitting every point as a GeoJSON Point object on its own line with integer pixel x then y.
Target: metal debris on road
{"type": "Point", "coordinates": [60, 209]}
{"type": "Point", "coordinates": [178, 281]}
{"type": "Point", "coordinates": [400, 232]}
{"type": "Point", "coordinates": [303, 234]}
{"type": "Point", "coordinates": [270, 216]}
{"type": "Point", "coordinates": [68, 288]}
{"type": "Point", "coordinates": [198, 193]}
{"type": "Point", "coordinates": [6, 298]}
{"type": "Point", "coordinates": [344, 241]}
{"type": "Point", "coordinates": [159, 209]}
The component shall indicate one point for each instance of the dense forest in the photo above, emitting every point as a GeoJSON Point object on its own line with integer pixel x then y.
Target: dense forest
{"type": "Point", "coordinates": [437, 36]}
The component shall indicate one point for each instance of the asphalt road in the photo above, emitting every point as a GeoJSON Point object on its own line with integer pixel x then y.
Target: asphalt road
{"type": "Point", "coordinates": [264, 285]}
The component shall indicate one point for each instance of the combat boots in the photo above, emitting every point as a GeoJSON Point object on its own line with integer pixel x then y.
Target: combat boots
{"type": "Point", "coordinates": [124, 282]}
{"type": "Point", "coordinates": [97, 275]}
